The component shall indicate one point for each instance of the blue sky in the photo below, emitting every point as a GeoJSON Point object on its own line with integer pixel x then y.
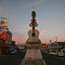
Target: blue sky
{"type": "Point", "coordinates": [50, 17]}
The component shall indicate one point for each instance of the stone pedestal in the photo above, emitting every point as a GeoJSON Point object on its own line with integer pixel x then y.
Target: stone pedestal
{"type": "Point", "coordinates": [33, 57]}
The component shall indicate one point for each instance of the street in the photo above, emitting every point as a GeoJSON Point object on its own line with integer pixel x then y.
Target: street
{"type": "Point", "coordinates": [16, 59]}
{"type": "Point", "coordinates": [54, 60]}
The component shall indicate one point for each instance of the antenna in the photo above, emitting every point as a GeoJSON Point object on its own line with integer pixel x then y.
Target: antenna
{"type": "Point", "coordinates": [56, 38]}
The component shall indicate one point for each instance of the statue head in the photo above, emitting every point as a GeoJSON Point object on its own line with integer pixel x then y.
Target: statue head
{"type": "Point", "coordinates": [33, 14]}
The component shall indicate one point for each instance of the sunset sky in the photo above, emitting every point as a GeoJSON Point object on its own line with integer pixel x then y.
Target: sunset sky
{"type": "Point", "coordinates": [50, 17]}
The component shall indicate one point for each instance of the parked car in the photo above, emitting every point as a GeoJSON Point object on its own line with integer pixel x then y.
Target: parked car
{"type": "Point", "coordinates": [57, 52]}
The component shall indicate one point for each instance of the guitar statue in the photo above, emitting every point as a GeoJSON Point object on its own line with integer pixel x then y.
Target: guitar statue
{"type": "Point", "coordinates": [33, 54]}
{"type": "Point", "coordinates": [33, 34]}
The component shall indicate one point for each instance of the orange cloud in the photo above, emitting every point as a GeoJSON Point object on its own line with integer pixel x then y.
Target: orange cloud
{"type": "Point", "coordinates": [61, 37]}
{"type": "Point", "coordinates": [20, 39]}
{"type": "Point", "coordinates": [44, 36]}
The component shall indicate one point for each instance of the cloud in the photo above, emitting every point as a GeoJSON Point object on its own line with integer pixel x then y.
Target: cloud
{"type": "Point", "coordinates": [19, 38]}
{"type": "Point", "coordinates": [44, 37]}
{"type": "Point", "coordinates": [61, 37]}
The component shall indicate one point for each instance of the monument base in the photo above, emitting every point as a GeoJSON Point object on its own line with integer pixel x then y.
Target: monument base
{"type": "Point", "coordinates": [33, 57]}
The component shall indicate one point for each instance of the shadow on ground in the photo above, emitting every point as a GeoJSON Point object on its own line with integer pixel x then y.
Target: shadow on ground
{"type": "Point", "coordinates": [53, 59]}
{"type": "Point", "coordinates": [12, 59]}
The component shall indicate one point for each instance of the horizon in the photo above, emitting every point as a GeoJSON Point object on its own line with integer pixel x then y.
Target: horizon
{"type": "Point", "coordinates": [50, 15]}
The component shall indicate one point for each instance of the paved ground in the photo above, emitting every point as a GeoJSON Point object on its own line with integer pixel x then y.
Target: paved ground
{"type": "Point", "coordinates": [16, 59]}
{"type": "Point", "coordinates": [11, 59]}
{"type": "Point", "coordinates": [54, 60]}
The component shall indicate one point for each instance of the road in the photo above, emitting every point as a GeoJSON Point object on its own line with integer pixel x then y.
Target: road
{"type": "Point", "coordinates": [54, 60]}
{"type": "Point", "coordinates": [16, 59]}
{"type": "Point", "coordinates": [12, 59]}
